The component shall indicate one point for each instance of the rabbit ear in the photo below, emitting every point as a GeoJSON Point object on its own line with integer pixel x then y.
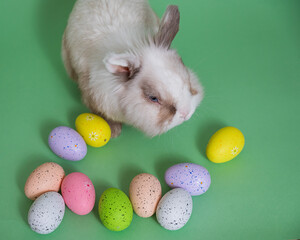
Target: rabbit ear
{"type": "Point", "coordinates": [125, 64]}
{"type": "Point", "coordinates": [168, 28]}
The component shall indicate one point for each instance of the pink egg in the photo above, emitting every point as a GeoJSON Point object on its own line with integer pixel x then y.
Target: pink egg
{"type": "Point", "coordinates": [78, 192]}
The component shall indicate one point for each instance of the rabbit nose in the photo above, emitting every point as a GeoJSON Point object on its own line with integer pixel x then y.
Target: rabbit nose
{"type": "Point", "coordinates": [184, 115]}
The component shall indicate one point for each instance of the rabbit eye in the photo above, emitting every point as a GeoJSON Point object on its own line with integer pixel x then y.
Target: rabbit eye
{"type": "Point", "coordinates": [153, 99]}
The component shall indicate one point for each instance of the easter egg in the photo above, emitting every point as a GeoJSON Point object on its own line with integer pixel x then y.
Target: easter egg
{"type": "Point", "coordinates": [66, 143]}
{"type": "Point", "coordinates": [144, 193]}
{"type": "Point", "coordinates": [225, 145]}
{"type": "Point", "coordinates": [78, 192]}
{"type": "Point", "coordinates": [94, 129]}
{"type": "Point", "coordinates": [45, 178]}
{"type": "Point", "coordinates": [189, 176]}
{"type": "Point", "coordinates": [115, 209]}
{"type": "Point", "coordinates": [46, 213]}
{"type": "Point", "coordinates": [174, 209]}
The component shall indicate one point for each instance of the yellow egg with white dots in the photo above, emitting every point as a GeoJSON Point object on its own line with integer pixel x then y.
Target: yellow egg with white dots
{"type": "Point", "coordinates": [225, 145]}
{"type": "Point", "coordinates": [94, 129]}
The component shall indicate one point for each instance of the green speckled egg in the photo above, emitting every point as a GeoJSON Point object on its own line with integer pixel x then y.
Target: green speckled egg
{"type": "Point", "coordinates": [115, 209]}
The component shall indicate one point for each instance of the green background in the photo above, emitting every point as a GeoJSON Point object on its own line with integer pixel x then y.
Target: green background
{"type": "Point", "coordinates": [247, 55]}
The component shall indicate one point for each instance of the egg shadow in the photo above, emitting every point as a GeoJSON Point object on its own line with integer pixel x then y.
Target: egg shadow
{"type": "Point", "coordinates": [100, 187]}
{"type": "Point", "coordinates": [26, 167]}
{"type": "Point", "coordinates": [68, 166]}
{"type": "Point", "coordinates": [23, 172]}
{"type": "Point", "coordinates": [74, 113]}
{"type": "Point", "coordinates": [24, 205]}
{"type": "Point", "coordinates": [52, 17]}
{"type": "Point", "coordinates": [46, 127]}
{"type": "Point", "coordinates": [126, 176]}
{"type": "Point", "coordinates": [165, 162]}
{"type": "Point", "coordinates": [205, 132]}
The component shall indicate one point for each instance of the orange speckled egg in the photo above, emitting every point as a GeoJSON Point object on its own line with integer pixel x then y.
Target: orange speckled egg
{"type": "Point", "coordinates": [45, 178]}
{"type": "Point", "coordinates": [145, 193]}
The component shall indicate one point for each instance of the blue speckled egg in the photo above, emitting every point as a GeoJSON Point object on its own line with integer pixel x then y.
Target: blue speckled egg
{"type": "Point", "coordinates": [174, 209]}
{"type": "Point", "coordinates": [46, 213]}
{"type": "Point", "coordinates": [192, 177]}
{"type": "Point", "coordinates": [68, 144]}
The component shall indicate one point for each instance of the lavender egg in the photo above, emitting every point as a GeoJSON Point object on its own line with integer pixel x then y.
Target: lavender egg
{"type": "Point", "coordinates": [66, 143]}
{"type": "Point", "coordinates": [46, 213]}
{"type": "Point", "coordinates": [189, 176]}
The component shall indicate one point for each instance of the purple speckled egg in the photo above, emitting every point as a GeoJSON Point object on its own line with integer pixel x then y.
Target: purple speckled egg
{"type": "Point", "coordinates": [66, 143]}
{"type": "Point", "coordinates": [189, 176]}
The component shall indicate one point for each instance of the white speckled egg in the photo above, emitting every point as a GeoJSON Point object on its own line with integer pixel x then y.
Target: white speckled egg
{"type": "Point", "coordinates": [174, 209]}
{"type": "Point", "coordinates": [46, 213]}
{"type": "Point", "coordinates": [145, 193]}
{"type": "Point", "coordinates": [66, 143]}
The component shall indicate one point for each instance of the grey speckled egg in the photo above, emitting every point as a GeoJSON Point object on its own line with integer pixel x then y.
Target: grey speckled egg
{"type": "Point", "coordinates": [174, 209]}
{"type": "Point", "coordinates": [46, 213]}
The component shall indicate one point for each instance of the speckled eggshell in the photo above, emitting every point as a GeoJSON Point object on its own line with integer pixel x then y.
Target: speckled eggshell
{"type": "Point", "coordinates": [225, 145]}
{"type": "Point", "coordinates": [45, 178]}
{"type": "Point", "coordinates": [66, 143]}
{"type": "Point", "coordinates": [94, 129]}
{"type": "Point", "coordinates": [174, 209]}
{"type": "Point", "coordinates": [145, 193]}
{"type": "Point", "coordinates": [46, 213]}
{"type": "Point", "coordinates": [78, 192]}
{"type": "Point", "coordinates": [115, 209]}
{"type": "Point", "coordinates": [192, 177]}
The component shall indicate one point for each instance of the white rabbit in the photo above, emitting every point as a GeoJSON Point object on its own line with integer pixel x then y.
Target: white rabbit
{"type": "Point", "coordinates": [118, 52]}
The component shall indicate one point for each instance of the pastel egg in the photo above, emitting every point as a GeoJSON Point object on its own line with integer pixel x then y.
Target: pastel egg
{"type": "Point", "coordinates": [115, 209]}
{"type": "Point", "coordinates": [46, 177]}
{"type": "Point", "coordinates": [94, 129]}
{"type": "Point", "coordinates": [66, 143]}
{"type": "Point", "coordinates": [145, 193]}
{"type": "Point", "coordinates": [78, 192]}
{"type": "Point", "coordinates": [174, 209]}
{"type": "Point", "coordinates": [225, 145]}
{"type": "Point", "coordinates": [46, 213]}
{"type": "Point", "coordinates": [190, 176]}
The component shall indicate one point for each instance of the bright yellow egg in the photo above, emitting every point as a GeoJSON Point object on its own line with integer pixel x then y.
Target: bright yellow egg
{"type": "Point", "coordinates": [94, 129]}
{"type": "Point", "coordinates": [225, 145]}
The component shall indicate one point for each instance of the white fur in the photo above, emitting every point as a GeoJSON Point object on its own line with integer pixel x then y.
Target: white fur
{"type": "Point", "coordinates": [104, 34]}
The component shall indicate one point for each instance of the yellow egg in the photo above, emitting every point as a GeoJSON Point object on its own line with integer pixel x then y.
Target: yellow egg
{"type": "Point", "coordinates": [94, 129]}
{"type": "Point", "coordinates": [225, 145]}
